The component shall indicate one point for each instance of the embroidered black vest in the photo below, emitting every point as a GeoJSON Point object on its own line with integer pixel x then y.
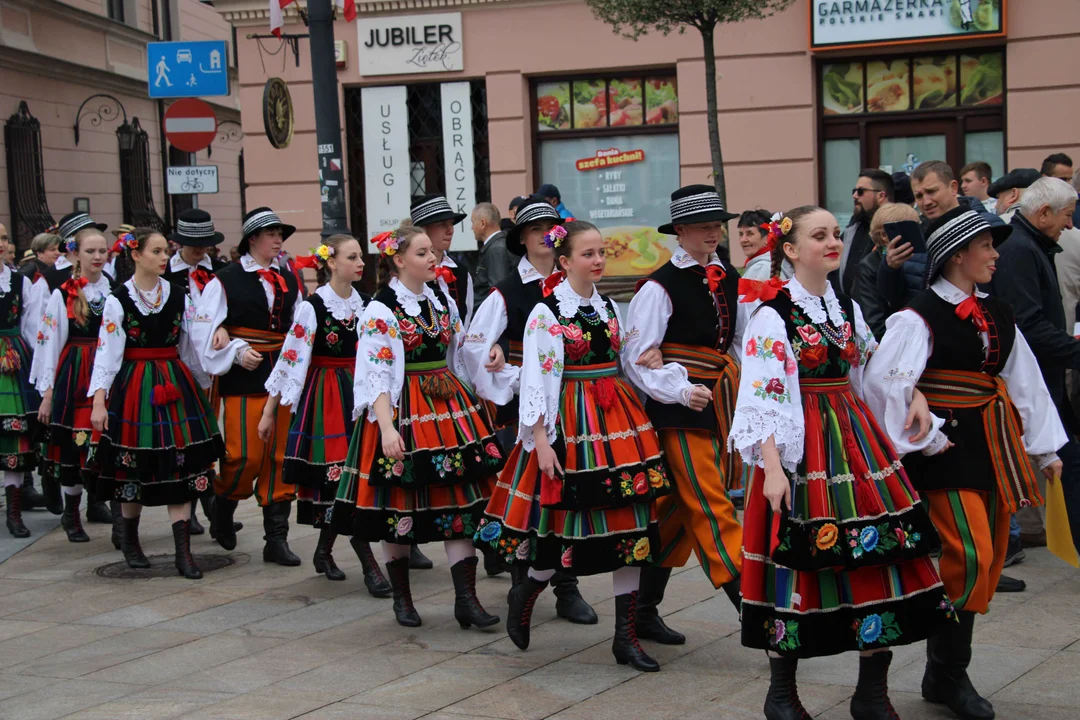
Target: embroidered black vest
{"type": "Point", "coordinates": [11, 303]}
{"type": "Point", "coordinates": [956, 345]}
{"type": "Point", "coordinates": [333, 337]}
{"type": "Point", "coordinates": [815, 355]}
{"type": "Point", "coordinates": [698, 318]}
{"type": "Point", "coordinates": [157, 330]}
{"type": "Point", "coordinates": [90, 328]}
{"type": "Point", "coordinates": [604, 341]}
{"type": "Point", "coordinates": [427, 335]}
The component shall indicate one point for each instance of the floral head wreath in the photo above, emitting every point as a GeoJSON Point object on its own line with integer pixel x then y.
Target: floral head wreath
{"type": "Point", "coordinates": [778, 227]}
{"type": "Point", "coordinates": [324, 252]}
{"type": "Point", "coordinates": [387, 242]}
{"type": "Point", "coordinates": [553, 238]}
{"type": "Point", "coordinates": [128, 241]}
{"type": "Point", "coordinates": [71, 246]}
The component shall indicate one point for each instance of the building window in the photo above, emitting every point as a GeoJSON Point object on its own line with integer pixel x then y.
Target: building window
{"type": "Point", "coordinates": [611, 146]}
{"type": "Point", "coordinates": [116, 10]}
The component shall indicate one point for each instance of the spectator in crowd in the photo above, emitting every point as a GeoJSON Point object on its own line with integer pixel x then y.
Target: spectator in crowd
{"type": "Point", "coordinates": [28, 258]}
{"type": "Point", "coordinates": [1027, 280]}
{"type": "Point", "coordinates": [494, 263]}
{"type": "Point", "coordinates": [902, 189]}
{"type": "Point", "coordinates": [754, 241]}
{"type": "Point", "coordinates": [867, 291]}
{"type": "Point", "coordinates": [935, 189]}
{"type": "Point", "coordinates": [508, 222]}
{"type": "Point", "coordinates": [46, 248]}
{"type": "Point", "coordinates": [551, 193]}
{"type": "Point", "coordinates": [873, 189]}
{"type": "Point", "coordinates": [1009, 188]}
{"type": "Point", "coordinates": [975, 182]}
{"type": "Point", "coordinates": [234, 254]}
{"type": "Point", "coordinates": [1058, 165]}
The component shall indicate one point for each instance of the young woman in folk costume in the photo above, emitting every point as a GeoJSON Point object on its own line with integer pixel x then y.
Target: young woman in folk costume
{"type": "Point", "coordinates": [835, 542]}
{"type": "Point", "coordinates": [423, 459]}
{"type": "Point", "coordinates": [597, 515]}
{"type": "Point", "coordinates": [314, 375]}
{"type": "Point", "coordinates": [156, 435]}
{"type": "Point", "coordinates": [63, 361]}
{"type": "Point", "coordinates": [992, 411]}
{"type": "Point", "coordinates": [492, 353]}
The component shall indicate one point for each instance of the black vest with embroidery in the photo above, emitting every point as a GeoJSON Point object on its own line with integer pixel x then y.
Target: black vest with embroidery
{"type": "Point", "coordinates": [956, 345]}
{"type": "Point", "coordinates": [699, 318]}
{"type": "Point", "coordinates": [427, 335]}
{"type": "Point", "coordinates": [587, 338]}
{"type": "Point", "coordinates": [334, 338]}
{"type": "Point", "coordinates": [246, 298]}
{"type": "Point", "coordinates": [459, 289]}
{"type": "Point", "coordinates": [11, 303]}
{"type": "Point", "coordinates": [89, 328]}
{"type": "Point", "coordinates": [182, 277]}
{"type": "Point", "coordinates": [815, 356]}
{"type": "Point", "coordinates": [157, 330]}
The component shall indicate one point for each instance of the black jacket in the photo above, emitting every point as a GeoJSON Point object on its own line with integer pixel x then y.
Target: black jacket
{"type": "Point", "coordinates": [494, 263]}
{"type": "Point", "coordinates": [868, 293]}
{"type": "Point", "coordinates": [1027, 279]}
{"type": "Point", "coordinates": [33, 268]}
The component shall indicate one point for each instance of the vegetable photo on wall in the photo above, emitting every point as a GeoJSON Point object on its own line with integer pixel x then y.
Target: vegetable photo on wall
{"type": "Point", "coordinates": [553, 105]}
{"type": "Point", "coordinates": [590, 103]}
{"type": "Point", "coordinates": [661, 101]}
{"type": "Point", "coordinates": [843, 88]}
{"type": "Point", "coordinates": [981, 79]}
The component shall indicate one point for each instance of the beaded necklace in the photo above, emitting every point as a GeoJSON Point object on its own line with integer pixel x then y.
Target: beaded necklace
{"type": "Point", "coordinates": [148, 303]}
{"type": "Point", "coordinates": [431, 327]}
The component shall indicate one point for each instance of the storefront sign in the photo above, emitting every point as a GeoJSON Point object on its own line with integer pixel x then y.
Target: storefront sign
{"type": "Point", "coordinates": [843, 23]}
{"type": "Point", "coordinates": [622, 185]}
{"type": "Point", "coordinates": [386, 157]}
{"type": "Point", "coordinates": [410, 44]}
{"type": "Point", "coordinates": [458, 158]}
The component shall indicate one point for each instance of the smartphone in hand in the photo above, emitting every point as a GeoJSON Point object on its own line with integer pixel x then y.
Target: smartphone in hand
{"type": "Point", "coordinates": [909, 232]}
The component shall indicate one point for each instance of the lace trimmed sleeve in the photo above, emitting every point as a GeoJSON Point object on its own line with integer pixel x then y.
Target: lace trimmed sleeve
{"type": "Point", "coordinates": [380, 360]}
{"type": "Point", "coordinates": [51, 339]}
{"type": "Point", "coordinates": [769, 403]}
{"type": "Point", "coordinates": [110, 352]}
{"type": "Point", "coordinates": [541, 375]}
{"type": "Point", "coordinates": [289, 375]}
{"type": "Point", "coordinates": [488, 325]}
{"type": "Point", "coordinates": [866, 344]}
{"type": "Point", "coordinates": [189, 352]}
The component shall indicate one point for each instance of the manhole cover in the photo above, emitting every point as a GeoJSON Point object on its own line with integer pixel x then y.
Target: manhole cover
{"type": "Point", "coordinates": [162, 566]}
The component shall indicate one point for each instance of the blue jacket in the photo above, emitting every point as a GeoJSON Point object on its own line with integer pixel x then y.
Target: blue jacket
{"type": "Point", "coordinates": [564, 212]}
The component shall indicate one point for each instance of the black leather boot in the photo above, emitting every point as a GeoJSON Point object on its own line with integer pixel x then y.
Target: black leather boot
{"type": "Point", "coordinates": [129, 545]}
{"type": "Point", "coordinates": [71, 521]}
{"type": "Point", "coordinates": [15, 526]}
{"type": "Point", "coordinates": [782, 700]}
{"type": "Point", "coordinates": [221, 529]}
{"type": "Point", "coordinates": [418, 560]}
{"type": "Point", "coordinates": [650, 626]}
{"type": "Point", "coordinates": [96, 511]}
{"type": "Point", "coordinates": [117, 535]}
{"type": "Point", "coordinates": [276, 527]}
{"type": "Point", "coordinates": [518, 573]}
{"type": "Point", "coordinates": [208, 501]}
{"type": "Point", "coordinates": [569, 605]}
{"type": "Point", "coordinates": [185, 563]}
{"type": "Point", "coordinates": [948, 655]}
{"type": "Point", "coordinates": [522, 598]}
{"type": "Point", "coordinates": [52, 494]}
{"type": "Point", "coordinates": [625, 646]}
{"type": "Point", "coordinates": [733, 590]}
{"type": "Point", "coordinates": [467, 608]}
{"type": "Point", "coordinates": [871, 698]}
{"type": "Point", "coordinates": [324, 559]}
{"type": "Point", "coordinates": [374, 581]}
{"type": "Point", "coordinates": [492, 564]}
{"type": "Point", "coordinates": [195, 527]}
{"type": "Point", "coordinates": [31, 498]}
{"type": "Point", "coordinates": [404, 610]}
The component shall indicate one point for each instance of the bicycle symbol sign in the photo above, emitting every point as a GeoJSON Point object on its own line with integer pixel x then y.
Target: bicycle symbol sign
{"type": "Point", "coordinates": [192, 180]}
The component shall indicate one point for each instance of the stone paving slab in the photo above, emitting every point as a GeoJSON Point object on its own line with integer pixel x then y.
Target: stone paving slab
{"type": "Point", "coordinates": [262, 642]}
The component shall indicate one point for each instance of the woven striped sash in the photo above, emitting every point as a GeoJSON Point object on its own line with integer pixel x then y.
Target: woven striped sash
{"type": "Point", "coordinates": [260, 340]}
{"type": "Point", "coordinates": [1004, 431]}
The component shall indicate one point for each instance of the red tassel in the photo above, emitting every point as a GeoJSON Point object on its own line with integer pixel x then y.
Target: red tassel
{"type": "Point", "coordinates": [604, 393]}
{"type": "Point", "coordinates": [159, 395]}
{"type": "Point", "coordinates": [171, 393]}
{"type": "Point", "coordinates": [550, 490]}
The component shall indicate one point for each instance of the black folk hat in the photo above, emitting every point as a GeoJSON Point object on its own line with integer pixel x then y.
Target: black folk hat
{"type": "Point", "coordinates": [1018, 178]}
{"type": "Point", "coordinates": [259, 219]}
{"type": "Point", "coordinates": [195, 228]}
{"type": "Point", "coordinates": [535, 209]}
{"type": "Point", "coordinates": [432, 209]}
{"type": "Point", "coordinates": [72, 223]}
{"type": "Point", "coordinates": [695, 204]}
{"type": "Point", "coordinates": [953, 232]}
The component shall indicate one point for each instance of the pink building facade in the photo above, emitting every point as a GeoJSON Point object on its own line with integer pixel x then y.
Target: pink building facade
{"type": "Point", "coordinates": [53, 57]}
{"type": "Point", "coordinates": [556, 96]}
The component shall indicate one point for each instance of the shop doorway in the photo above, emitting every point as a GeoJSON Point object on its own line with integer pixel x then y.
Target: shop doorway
{"type": "Point", "coordinates": [900, 147]}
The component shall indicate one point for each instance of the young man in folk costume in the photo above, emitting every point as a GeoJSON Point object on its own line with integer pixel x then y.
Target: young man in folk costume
{"type": "Point", "coordinates": [963, 351]}
{"type": "Point", "coordinates": [493, 355]}
{"type": "Point", "coordinates": [434, 214]}
{"type": "Point", "coordinates": [240, 325]}
{"type": "Point", "coordinates": [689, 309]}
{"type": "Point", "coordinates": [192, 269]}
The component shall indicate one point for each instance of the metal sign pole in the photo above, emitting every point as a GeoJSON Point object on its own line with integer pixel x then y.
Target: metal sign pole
{"type": "Point", "coordinates": [327, 116]}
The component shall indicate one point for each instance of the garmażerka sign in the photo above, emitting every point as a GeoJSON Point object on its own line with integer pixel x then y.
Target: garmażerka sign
{"type": "Point", "coordinates": [404, 44]}
{"type": "Point", "coordinates": [839, 23]}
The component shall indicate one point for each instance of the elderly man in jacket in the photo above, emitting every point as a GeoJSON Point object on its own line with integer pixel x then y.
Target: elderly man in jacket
{"type": "Point", "coordinates": [1026, 278]}
{"type": "Point", "coordinates": [494, 262]}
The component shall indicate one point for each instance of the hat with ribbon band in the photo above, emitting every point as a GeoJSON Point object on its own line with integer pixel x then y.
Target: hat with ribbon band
{"type": "Point", "coordinates": [535, 209]}
{"type": "Point", "coordinates": [72, 223]}
{"type": "Point", "coordinates": [951, 233]}
{"type": "Point", "coordinates": [432, 209]}
{"type": "Point", "coordinates": [195, 228]}
{"type": "Point", "coordinates": [259, 219]}
{"type": "Point", "coordinates": [695, 204]}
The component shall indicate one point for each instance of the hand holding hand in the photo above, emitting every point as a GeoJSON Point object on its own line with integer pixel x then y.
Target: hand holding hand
{"type": "Point", "coordinates": [250, 360]}
{"type": "Point", "coordinates": [700, 397]}
{"type": "Point", "coordinates": [919, 411]}
{"type": "Point", "coordinates": [497, 361]}
{"type": "Point", "coordinates": [220, 340]}
{"type": "Point", "coordinates": [652, 359]}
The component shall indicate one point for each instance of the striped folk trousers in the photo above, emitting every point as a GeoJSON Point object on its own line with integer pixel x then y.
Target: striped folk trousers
{"type": "Point", "coordinates": [251, 466]}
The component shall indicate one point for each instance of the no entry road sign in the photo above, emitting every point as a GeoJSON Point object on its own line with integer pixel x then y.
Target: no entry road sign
{"type": "Point", "coordinates": [190, 125]}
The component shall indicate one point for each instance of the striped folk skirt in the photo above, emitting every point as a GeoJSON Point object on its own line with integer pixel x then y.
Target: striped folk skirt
{"type": "Point", "coordinates": [319, 435]}
{"type": "Point", "coordinates": [441, 487]}
{"type": "Point", "coordinates": [601, 515]}
{"type": "Point", "coordinates": [70, 430]}
{"type": "Point", "coordinates": [19, 403]}
{"type": "Point", "coordinates": [848, 566]}
{"type": "Point", "coordinates": [162, 438]}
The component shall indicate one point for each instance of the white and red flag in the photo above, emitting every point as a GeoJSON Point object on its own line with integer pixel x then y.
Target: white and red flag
{"type": "Point", "coordinates": [348, 7]}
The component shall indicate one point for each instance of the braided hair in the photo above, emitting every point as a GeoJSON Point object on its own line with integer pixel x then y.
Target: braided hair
{"type": "Point", "coordinates": [80, 307]}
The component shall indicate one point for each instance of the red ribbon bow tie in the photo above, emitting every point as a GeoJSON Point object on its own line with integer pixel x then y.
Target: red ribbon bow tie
{"type": "Point", "coordinates": [200, 277]}
{"type": "Point", "coordinates": [274, 278]}
{"type": "Point", "coordinates": [446, 274]}
{"type": "Point", "coordinates": [71, 288]}
{"type": "Point", "coordinates": [715, 274]}
{"type": "Point", "coordinates": [752, 290]}
{"type": "Point", "coordinates": [548, 286]}
{"type": "Point", "coordinates": [971, 308]}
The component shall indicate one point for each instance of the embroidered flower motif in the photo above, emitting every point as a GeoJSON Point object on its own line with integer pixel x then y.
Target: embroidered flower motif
{"type": "Point", "coordinates": [490, 531]}
{"type": "Point", "coordinates": [398, 469]}
{"type": "Point", "coordinates": [555, 330]}
{"type": "Point", "coordinates": [290, 356]}
{"type": "Point", "coordinates": [613, 334]}
{"type": "Point", "coordinates": [40, 338]}
{"type": "Point", "coordinates": [298, 331]}
{"type": "Point", "coordinates": [641, 549]}
{"type": "Point", "coordinates": [656, 478]}
{"type": "Point", "coordinates": [850, 353]}
{"type": "Point", "coordinates": [333, 473]}
{"type": "Point", "coordinates": [523, 550]}
{"type": "Point", "coordinates": [548, 364]}
{"type": "Point", "coordinates": [81, 437]}
{"type": "Point", "coordinates": [567, 559]}
{"type": "Point", "coordinates": [201, 483]}
{"type": "Point", "coordinates": [790, 366]}
{"type": "Point", "coordinates": [457, 524]}
{"type": "Point", "coordinates": [779, 351]}
{"type": "Point", "coordinates": [751, 347]}
{"type": "Point", "coordinates": [129, 491]}
{"type": "Point", "coordinates": [809, 334]}
{"type": "Point", "coordinates": [641, 485]}
{"type": "Point", "coordinates": [127, 460]}
{"type": "Point", "coordinates": [493, 450]}
{"type": "Point", "coordinates": [381, 326]}
{"type": "Point", "coordinates": [827, 535]}
{"type": "Point", "coordinates": [870, 630]}
{"type": "Point", "coordinates": [12, 461]}
{"type": "Point", "coordinates": [332, 338]}
{"type": "Point", "coordinates": [868, 538]}
{"type": "Point", "coordinates": [781, 630]}
{"type": "Point", "coordinates": [813, 356]}
{"type": "Point", "coordinates": [404, 525]}
{"type": "Point", "coordinates": [775, 386]}
{"type": "Point", "coordinates": [180, 459]}
{"type": "Point", "coordinates": [783, 635]}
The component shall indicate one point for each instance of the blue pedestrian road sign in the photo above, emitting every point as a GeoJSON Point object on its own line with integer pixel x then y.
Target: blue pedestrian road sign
{"type": "Point", "coordinates": [188, 69]}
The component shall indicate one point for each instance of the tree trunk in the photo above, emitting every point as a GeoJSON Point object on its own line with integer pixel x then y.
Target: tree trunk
{"type": "Point", "coordinates": [711, 109]}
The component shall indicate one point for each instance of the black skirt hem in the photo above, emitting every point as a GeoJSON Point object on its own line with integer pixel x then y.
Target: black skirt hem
{"type": "Point", "coordinates": [434, 525]}
{"type": "Point", "coordinates": [422, 468]}
{"type": "Point", "coordinates": [174, 491]}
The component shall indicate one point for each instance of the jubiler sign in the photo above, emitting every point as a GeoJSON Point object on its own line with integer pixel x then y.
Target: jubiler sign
{"type": "Point", "coordinates": [410, 44]}
{"type": "Point", "coordinates": [840, 23]}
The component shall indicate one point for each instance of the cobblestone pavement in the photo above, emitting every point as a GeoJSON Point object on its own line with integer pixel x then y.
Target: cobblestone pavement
{"type": "Point", "coordinates": [266, 642]}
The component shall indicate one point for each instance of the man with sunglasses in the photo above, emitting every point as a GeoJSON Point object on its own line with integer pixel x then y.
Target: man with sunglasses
{"type": "Point", "coordinates": [873, 189]}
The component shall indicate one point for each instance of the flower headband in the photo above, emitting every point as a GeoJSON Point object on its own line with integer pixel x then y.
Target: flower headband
{"type": "Point", "coordinates": [387, 242]}
{"type": "Point", "coordinates": [777, 227]}
{"type": "Point", "coordinates": [71, 246]}
{"type": "Point", "coordinates": [128, 240]}
{"type": "Point", "coordinates": [553, 238]}
{"type": "Point", "coordinates": [324, 252]}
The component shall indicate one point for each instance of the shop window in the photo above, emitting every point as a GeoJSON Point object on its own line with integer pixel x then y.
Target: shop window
{"type": "Point", "coordinates": [988, 147]}
{"type": "Point", "coordinates": [603, 103]}
{"type": "Point", "coordinates": [842, 167]}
